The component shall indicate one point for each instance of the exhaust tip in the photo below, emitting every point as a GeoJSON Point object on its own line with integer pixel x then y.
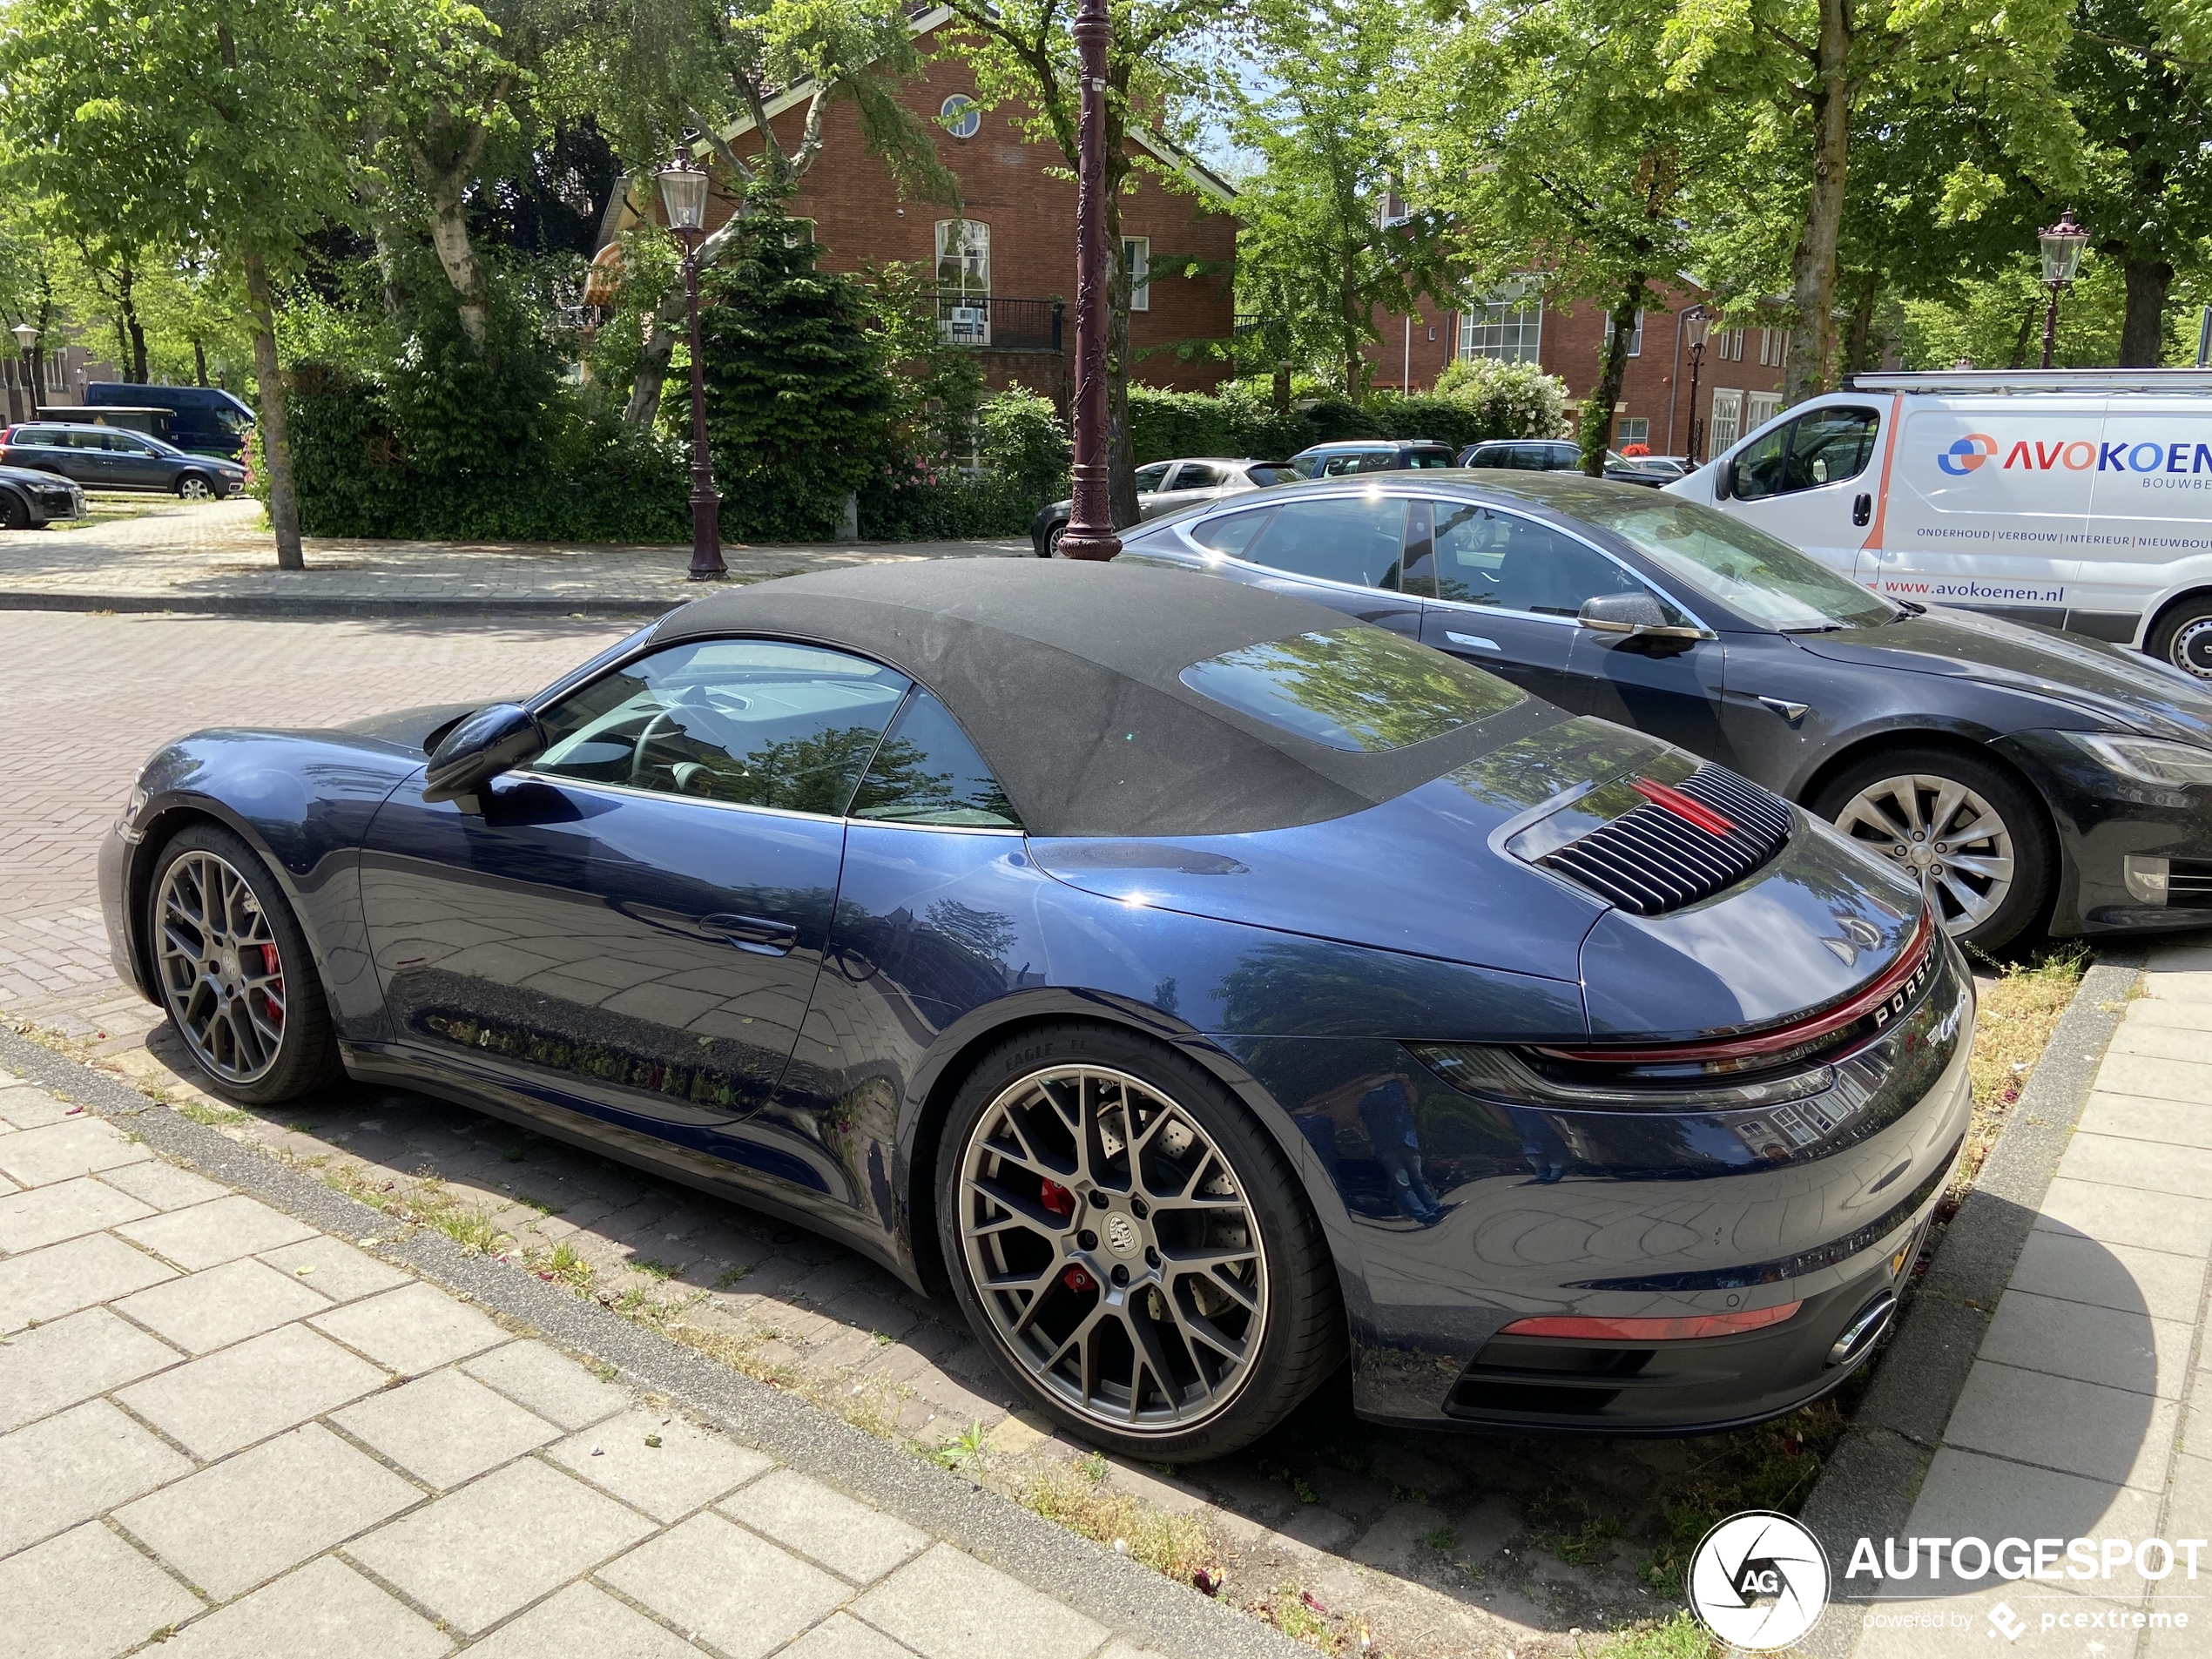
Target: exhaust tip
{"type": "Point", "coordinates": [1864, 1330]}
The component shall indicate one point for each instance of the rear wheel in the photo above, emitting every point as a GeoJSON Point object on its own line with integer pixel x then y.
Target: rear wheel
{"type": "Point", "coordinates": [1052, 540]}
{"type": "Point", "coordinates": [1969, 831]}
{"type": "Point", "coordinates": [2183, 637]}
{"type": "Point", "coordinates": [195, 487]}
{"type": "Point", "coordinates": [1131, 1247]}
{"type": "Point", "coordinates": [234, 970]}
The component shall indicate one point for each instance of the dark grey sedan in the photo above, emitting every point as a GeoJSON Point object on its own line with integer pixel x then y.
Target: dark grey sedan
{"type": "Point", "coordinates": [30, 501]}
{"type": "Point", "coordinates": [103, 457]}
{"type": "Point", "coordinates": [2027, 777]}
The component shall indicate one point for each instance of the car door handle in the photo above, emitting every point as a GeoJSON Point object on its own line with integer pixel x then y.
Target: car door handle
{"type": "Point", "coordinates": [757, 934]}
{"type": "Point", "coordinates": [1474, 641]}
{"type": "Point", "coordinates": [1862, 509]}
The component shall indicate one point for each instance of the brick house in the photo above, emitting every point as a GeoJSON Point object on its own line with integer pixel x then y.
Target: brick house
{"type": "Point", "coordinates": [1739, 380]}
{"type": "Point", "coordinates": [1006, 261]}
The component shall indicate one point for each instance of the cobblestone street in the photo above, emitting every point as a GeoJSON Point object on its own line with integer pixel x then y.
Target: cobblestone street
{"type": "Point", "coordinates": [1437, 1544]}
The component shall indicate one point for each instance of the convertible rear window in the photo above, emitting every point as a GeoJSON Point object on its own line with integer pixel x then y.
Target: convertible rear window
{"type": "Point", "coordinates": [1358, 689]}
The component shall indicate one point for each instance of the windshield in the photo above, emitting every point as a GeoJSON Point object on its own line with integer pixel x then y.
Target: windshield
{"type": "Point", "coordinates": [1353, 689]}
{"type": "Point", "coordinates": [1744, 569]}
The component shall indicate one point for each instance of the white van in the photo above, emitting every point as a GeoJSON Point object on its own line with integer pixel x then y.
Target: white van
{"type": "Point", "coordinates": [2076, 498]}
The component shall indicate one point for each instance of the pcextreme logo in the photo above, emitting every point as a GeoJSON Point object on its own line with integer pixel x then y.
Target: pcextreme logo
{"type": "Point", "coordinates": [1965, 457]}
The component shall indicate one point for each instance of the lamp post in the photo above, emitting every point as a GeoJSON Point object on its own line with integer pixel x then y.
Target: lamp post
{"type": "Point", "coordinates": [2062, 244]}
{"type": "Point", "coordinates": [27, 340]}
{"type": "Point", "coordinates": [1695, 322]}
{"type": "Point", "coordinates": [683, 192]}
{"type": "Point", "coordinates": [1090, 526]}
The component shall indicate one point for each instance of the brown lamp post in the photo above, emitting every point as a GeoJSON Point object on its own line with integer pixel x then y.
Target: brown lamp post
{"type": "Point", "coordinates": [2062, 244]}
{"type": "Point", "coordinates": [1090, 526]}
{"type": "Point", "coordinates": [683, 192]}
{"type": "Point", "coordinates": [1695, 322]}
{"type": "Point", "coordinates": [27, 339]}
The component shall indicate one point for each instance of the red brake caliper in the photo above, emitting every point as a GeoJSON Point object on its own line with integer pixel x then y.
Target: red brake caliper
{"type": "Point", "coordinates": [272, 993]}
{"type": "Point", "coordinates": [1060, 1203]}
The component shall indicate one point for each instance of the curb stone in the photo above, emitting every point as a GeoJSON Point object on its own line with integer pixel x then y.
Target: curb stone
{"type": "Point", "coordinates": [1131, 1600]}
{"type": "Point", "coordinates": [1869, 1486]}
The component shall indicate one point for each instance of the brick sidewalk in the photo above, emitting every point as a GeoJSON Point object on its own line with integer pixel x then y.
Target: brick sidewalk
{"type": "Point", "coordinates": [222, 1428]}
{"type": "Point", "coordinates": [218, 556]}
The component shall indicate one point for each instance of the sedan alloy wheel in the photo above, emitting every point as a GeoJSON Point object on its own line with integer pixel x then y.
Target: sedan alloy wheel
{"type": "Point", "coordinates": [1114, 1249]}
{"type": "Point", "coordinates": [195, 488]}
{"type": "Point", "coordinates": [1946, 833]}
{"type": "Point", "coordinates": [220, 972]}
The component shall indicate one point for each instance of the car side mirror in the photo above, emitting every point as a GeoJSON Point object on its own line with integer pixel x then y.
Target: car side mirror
{"type": "Point", "coordinates": [489, 742]}
{"type": "Point", "coordinates": [1637, 615]}
{"type": "Point", "coordinates": [1723, 486]}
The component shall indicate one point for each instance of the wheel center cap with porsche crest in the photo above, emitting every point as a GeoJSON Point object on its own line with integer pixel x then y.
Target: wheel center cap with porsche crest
{"type": "Point", "coordinates": [1121, 1235]}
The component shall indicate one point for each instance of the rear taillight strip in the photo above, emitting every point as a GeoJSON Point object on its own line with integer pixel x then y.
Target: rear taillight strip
{"type": "Point", "coordinates": [1683, 1328]}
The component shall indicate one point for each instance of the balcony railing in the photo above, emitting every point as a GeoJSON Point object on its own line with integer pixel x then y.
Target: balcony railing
{"type": "Point", "coordinates": [1005, 325]}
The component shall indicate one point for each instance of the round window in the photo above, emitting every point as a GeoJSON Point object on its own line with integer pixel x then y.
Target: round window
{"type": "Point", "coordinates": [962, 115]}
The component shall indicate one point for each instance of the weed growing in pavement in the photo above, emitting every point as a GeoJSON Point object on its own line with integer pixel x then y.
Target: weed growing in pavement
{"type": "Point", "coordinates": [1443, 1538]}
{"type": "Point", "coordinates": [653, 1269]}
{"type": "Point", "coordinates": [971, 1446]}
{"type": "Point", "coordinates": [208, 1114]}
{"type": "Point", "coordinates": [731, 1274]}
{"type": "Point", "coordinates": [1679, 1638]}
{"type": "Point", "coordinates": [1771, 1467]}
{"type": "Point", "coordinates": [565, 1263]}
{"type": "Point", "coordinates": [1296, 1620]}
{"type": "Point", "coordinates": [1076, 1496]}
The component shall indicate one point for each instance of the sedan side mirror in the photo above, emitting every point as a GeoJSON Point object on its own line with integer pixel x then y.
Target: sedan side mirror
{"type": "Point", "coordinates": [1638, 615]}
{"type": "Point", "coordinates": [489, 742]}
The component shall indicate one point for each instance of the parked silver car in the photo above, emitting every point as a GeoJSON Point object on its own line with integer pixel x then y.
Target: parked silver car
{"type": "Point", "coordinates": [1168, 487]}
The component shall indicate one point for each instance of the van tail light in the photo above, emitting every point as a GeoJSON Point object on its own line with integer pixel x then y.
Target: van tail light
{"type": "Point", "coordinates": [1688, 1328]}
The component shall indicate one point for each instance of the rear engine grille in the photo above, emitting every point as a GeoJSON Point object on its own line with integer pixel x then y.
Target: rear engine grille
{"type": "Point", "coordinates": [2189, 881]}
{"type": "Point", "coordinates": [1654, 859]}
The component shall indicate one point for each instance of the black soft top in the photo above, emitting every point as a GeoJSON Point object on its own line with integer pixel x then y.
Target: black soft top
{"type": "Point", "coordinates": [1065, 673]}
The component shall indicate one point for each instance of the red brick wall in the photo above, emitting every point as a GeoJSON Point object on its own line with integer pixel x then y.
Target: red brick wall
{"type": "Point", "coordinates": [861, 219]}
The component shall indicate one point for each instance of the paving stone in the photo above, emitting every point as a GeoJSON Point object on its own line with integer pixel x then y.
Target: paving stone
{"type": "Point", "coordinates": [2157, 1077]}
{"type": "Point", "coordinates": [548, 1382]}
{"type": "Point", "coordinates": [2123, 1216]}
{"type": "Point", "coordinates": [61, 1278]}
{"type": "Point", "coordinates": [804, 1515]}
{"type": "Point", "coordinates": [2074, 1269]}
{"type": "Point", "coordinates": [59, 1152]}
{"type": "Point", "coordinates": [948, 1605]}
{"type": "Point", "coordinates": [475, 1555]}
{"type": "Point", "coordinates": [336, 1268]}
{"type": "Point", "coordinates": [326, 1610]}
{"type": "Point", "coordinates": [2148, 1166]}
{"type": "Point", "coordinates": [48, 1215]}
{"type": "Point", "coordinates": [222, 1231]}
{"type": "Point", "coordinates": [412, 1329]}
{"type": "Point", "coordinates": [247, 1393]}
{"type": "Point", "coordinates": [737, 1592]}
{"type": "Point", "coordinates": [250, 1517]}
{"type": "Point", "coordinates": [2106, 1434]}
{"type": "Point", "coordinates": [1967, 1494]}
{"type": "Point", "coordinates": [691, 1466]}
{"type": "Point", "coordinates": [842, 1636]}
{"type": "Point", "coordinates": [26, 1107]}
{"type": "Point", "coordinates": [2119, 1349]}
{"type": "Point", "coordinates": [162, 1186]}
{"type": "Point", "coordinates": [583, 1621]}
{"type": "Point", "coordinates": [86, 1594]}
{"type": "Point", "coordinates": [70, 1467]}
{"type": "Point", "coordinates": [72, 1359]}
{"type": "Point", "coordinates": [203, 1311]}
{"type": "Point", "coordinates": [2190, 1509]}
{"type": "Point", "coordinates": [445, 1428]}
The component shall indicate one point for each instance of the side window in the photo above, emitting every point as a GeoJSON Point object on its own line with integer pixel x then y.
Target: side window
{"type": "Point", "coordinates": [926, 771]}
{"type": "Point", "coordinates": [1828, 446]}
{"type": "Point", "coordinates": [1355, 540]}
{"type": "Point", "coordinates": [753, 722]}
{"type": "Point", "coordinates": [1498, 455]}
{"type": "Point", "coordinates": [1232, 532]}
{"type": "Point", "coordinates": [1419, 573]}
{"type": "Point", "coordinates": [1150, 478]}
{"type": "Point", "coordinates": [1378, 461]}
{"type": "Point", "coordinates": [1757, 473]}
{"type": "Point", "coordinates": [1196, 475]}
{"type": "Point", "coordinates": [1489, 558]}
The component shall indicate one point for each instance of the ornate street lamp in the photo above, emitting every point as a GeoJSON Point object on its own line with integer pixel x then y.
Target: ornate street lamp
{"type": "Point", "coordinates": [1091, 525]}
{"type": "Point", "coordinates": [27, 340]}
{"type": "Point", "coordinates": [683, 192]}
{"type": "Point", "coordinates": [2062, 244]}
{"type": "Point", "coordinates": [1696, 322]}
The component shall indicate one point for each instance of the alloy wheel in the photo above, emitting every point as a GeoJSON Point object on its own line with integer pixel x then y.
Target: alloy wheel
{"type": "Point", "coordinates": [1945, 834]}
{"type": "Point", "coordinates": [1112, 1245]}
{"type": "Point", "coordinates": [220, 972]}
{"type": "Point", "coordinates": [196, 490]}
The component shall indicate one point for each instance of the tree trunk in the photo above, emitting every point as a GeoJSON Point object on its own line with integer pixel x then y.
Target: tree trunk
{"type": "Point", "coordinates": [199, 363]}
{"type": "Point", "coordinates": [1596, 424]}
{"type": "Point", "coordinates": [1120, 454]}
{"type": "Point", "coordinates": [449, 236]}
{"type": "Point", "coordinates": [1862, 325]}
{"type": "Point", "coordinates": [134, 326]}
{"type": "Point", "coordinates": [2029, 318]}
{"type": "Point", "coordinates": [1280, 387]}
{"type": "Point", "coordinates": [2142, 330]}
{"type": "Point", "coordinates": [275, 433]}
{"type": "Point", "coordinates": [1812, 292]}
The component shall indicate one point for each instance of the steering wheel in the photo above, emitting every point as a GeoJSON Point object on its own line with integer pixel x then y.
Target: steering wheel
{"type": "Point", "coordinates": [653, 729]}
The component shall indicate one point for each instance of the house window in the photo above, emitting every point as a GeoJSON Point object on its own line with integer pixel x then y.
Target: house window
{"type": "Point", "coordinates": [1137, 259]}
{"type": "Point", "coordinates": [1732, 345]}
{"type": "Point", "coordinates": [962, 116]}
{"type": "Point", "coordinates": [1636, 339]}
{"type": "Point", "coordinates": [1508, 326]}
{"type": "Point", "coordinates": [802, 231]}
{"type": "Point", "coordinates": [964, 281]}
{"type": "Point", "coordinates": [1759, 408]}
{"type": "Point", "coordinates": [1774, 347]}
{"type": "Point", "coordinates": [1727, 416]}
{"type": "Point", "coordinates": [1632, 429]}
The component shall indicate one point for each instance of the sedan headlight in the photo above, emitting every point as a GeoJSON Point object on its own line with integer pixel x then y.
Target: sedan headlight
{"type": "Point", "coordinates": [2148, 760]}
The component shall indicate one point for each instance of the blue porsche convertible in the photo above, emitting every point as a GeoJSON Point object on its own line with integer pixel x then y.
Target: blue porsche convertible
{"type": "Point", "coordinates": [1201, 986]}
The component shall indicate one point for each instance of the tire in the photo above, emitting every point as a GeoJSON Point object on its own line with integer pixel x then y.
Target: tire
{"type": "Point", "coordinates": [1090, 1350]}
{"type": "Point", "coordinates": [214, 980]}
{"type": "Point", "coordinates": [1990, 884]}
{"type": "Point", "coordinates": [197, 486]}
{"type": "Point", "coordinates": [1052, 540]}
{"type": "Point", "coordinates": [15, 512]}
{"type": "Point", "coordinates": [2182, 636]}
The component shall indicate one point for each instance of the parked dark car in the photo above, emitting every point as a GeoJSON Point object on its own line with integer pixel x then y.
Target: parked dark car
{"type": "Point", "coordinates": [2029, 777]}
{"type": "Point", "coordinates": [1204, 986]}
{"type": "Point", "coordinates": [1370, 455]}
{"type": "Point", "coordinates": [31, 500]}
{"type": "Point", "coordinates": [101, 457]}
{"type": "Point", "coordinates": [204, 418]}
{"type": "Point", "coordinates": [1557, 455]}
{"type": "Point", "coordinates": [1167, 486]}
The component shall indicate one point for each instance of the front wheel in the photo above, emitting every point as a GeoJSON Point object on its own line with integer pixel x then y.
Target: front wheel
{"type": "Point", "coordinates": [2183, 637]}
{"type": "Point", "coordinates": [14, 514]}
{"type": "Point", "coordinates": [1052, 540]}
{"type": "Point", "coordinates": [234, 970]}
{"type": "Point", "coordinates": [192, 487]}
{"type": "Point", "coordinates": [1969, 831]}
{"type": "Point", "coordinates": [1131, 1246]}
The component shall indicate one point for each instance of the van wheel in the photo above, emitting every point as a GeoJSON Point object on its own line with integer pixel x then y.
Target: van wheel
{"type": "Point", "coordinates": [195, 487]}
{"type": "Point", "coordinates": [1970, 832]}
{"type": "Point", "coordinates": [2184, 635]}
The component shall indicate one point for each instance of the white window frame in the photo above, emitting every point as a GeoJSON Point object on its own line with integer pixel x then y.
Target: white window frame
{"type": "Point", "coordinates": [1759, 408]}
{"type": "Point", "coordinates": [1621, 436]}
{"type": "Point", "coordinates": [961, 116]}
{"type": "Point", "coordinates": [1774, 347]}
{"type": "Point", "coordinates": [1136, 256]}
{"type": "Point", "coordinates": [1726, 425]}
{"type": "Point", "coordinates": [971, 263]}
{"type": "Point", "coordinates": [1509, 327]}
{"type": "Point", "coordinates": [1635, 339]}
